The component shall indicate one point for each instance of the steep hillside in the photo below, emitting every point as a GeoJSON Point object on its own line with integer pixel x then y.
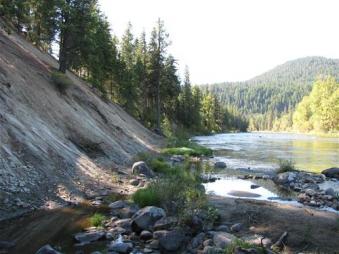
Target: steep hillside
{"type": "Point", "coordinates": [277, 90]}
{"type": "Point", "coordinates": [56, 147]}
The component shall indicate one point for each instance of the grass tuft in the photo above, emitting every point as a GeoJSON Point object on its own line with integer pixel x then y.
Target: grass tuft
{"type": "Point", "coordinates": [97, 220]}
{"type": "Point", "coordinates": [286, 166]}
{"type": "Point", "coordinates": [242, 244]}
{"type": "Point", "coordinates": [61, 81]}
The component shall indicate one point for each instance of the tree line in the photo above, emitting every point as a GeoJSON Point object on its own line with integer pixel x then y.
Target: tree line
{"type": "Point", "coordinates": [133, 71]}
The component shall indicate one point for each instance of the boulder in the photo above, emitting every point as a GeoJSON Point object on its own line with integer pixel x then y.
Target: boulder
{"type": "Point", "coordinates": [141, 167]}
{"type": "Point", "coordinates": [120, 247]}
{"type": "Point", "coordinates": [198, 240]}
{"type": "Point", "coordinates": [220, 164]}
{"type": "Point", "coordinates": [236, 227]}
{"type": "Point", "coordinates": [171, 240]}
{"type": "Point", "coordinates": [124, 223]}
{"type": "Point", "coordinates": [223, 239]}
{"type": "Point", "coordinates": [145, 218]}
{"type": "Point", "coordinates": [146, 235]}
{"type": "Point", "coordinates": [285, 178]}
{"type": "Point", "coordinates": [223, 228]}
{"type": "Point", "coordinates": [331, 172]}
{"type": "Point", "coordinates": [118, 204]}
{"type": "Point", "coordinates": [330, 191]}
{"type": "Point", "coordinates": [254, 186]}
{"type": "Point", "coordinates": [88, 237]}
{"type": "Point", "coordinates": [47, 249]}
{"type": "Point", "coordinates": [212, 250]}
{"type": "Point", "coordinates": [134, 182]}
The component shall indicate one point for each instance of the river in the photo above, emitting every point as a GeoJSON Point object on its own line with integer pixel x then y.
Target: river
{"type": "Point", "coordinates": [262, 151]}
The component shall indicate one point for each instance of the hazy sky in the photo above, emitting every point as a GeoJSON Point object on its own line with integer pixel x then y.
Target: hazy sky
{"type": "Point", "coordinates": [229, 40]}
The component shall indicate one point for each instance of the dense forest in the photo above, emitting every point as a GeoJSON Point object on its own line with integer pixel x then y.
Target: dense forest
{"type": "Point", "coordinates": [139, 74]}
{"type": "Point", "coordinates": [275, 94]}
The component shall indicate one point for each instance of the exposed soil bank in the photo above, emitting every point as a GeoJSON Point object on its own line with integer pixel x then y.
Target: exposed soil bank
{"type": "Point", "coordinates": [310, 231]}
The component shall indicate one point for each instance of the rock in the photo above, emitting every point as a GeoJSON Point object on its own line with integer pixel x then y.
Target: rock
{"type": "Point", "coordinates": [177, 158]}
{"type": "Point", "coordinates": [236, 227]}
{"type": "Point", "coordinates": [165, 223]}
{"type": "Point", "coordinates": [310, 192]}
{"type": "Point", "coordinates": [154, 244]}
{"type": "Point", "coordinates": [285, 178]}
{"type": "Point", "coordinates": [220, 164]}
{"type": "Point", "coordinates": [223, 228]}
{"type": "Point", "coordinates": [212, 250]}
{"type": "Point", "coordinates": [208, 242]}
{"type": "Point", "coordinates": [88, 237]}
{"type": "Point", "coordinates": [120, 247]}
{"type": "Point", "coordinates": [124, 223]}
{"type": "Point", "coordinates": [127, 212]}
{"type": "Point", "coordinates": [330, 192]}
{"type": "Point", "coordinates": [171, 240]}
{"type": "Point", "coordinates": [254, 186]}
{"type": "Point", "coordinates": [134, 182]}
{"type": "Point", "coordinates": [47, 249]}
{"type": "Point", "coordinates": [223, 239]}
{"type": "Point", "coordinates": [258, 240]}
{"type": "Point", "coordinates": [146, 235]}
{"type": "Point", "coordinates": [198, 240]}
{"type": "Point", "coordinates": [6, 245]}
{"type": "Point", "coordinates": [118, 204]}
{"type": "Point", "coordinates": [146, 217]}
{"type": "Point", "coordinates": [239, 250]}
{"type": "Point", "coordinates": [331, 172]}
{"type": "Point", "coordinates": [117, 231]}
{"type": "Point", "coordinates": [141, 167]}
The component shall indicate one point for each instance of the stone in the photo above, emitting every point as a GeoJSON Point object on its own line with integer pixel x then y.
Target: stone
{"type": "Point", "coordinates": [146, 217]}
{"type": "Point", "coordinates": [47, 249]}
{"type": "Point", "coordinates": [134, 182]}
{"type": "Point", "coordinates": [88, 237]}
{"type": "Point", "coordinates": [118, 204]}
{"type": "Point", "coordinates": [239, 250]}
{"type": "Point", "coordinates": [223, 239]}
{"type": "Point", "coordinates": [254, 186]}
{"type": "Point", "coordinates": [330, 191]}
{"type": "Point", "coordinates": [220, 164]}
{"type": "Point", "coordinates": [310, 192]}
{"type": "Point", "coordinates": [198, 240]}
{"type": "Point", "coordinates": [212, 250]}
{"type": "Point", "coordinates": [141, 167]}
{"type": "Point", "coordinates": [177, 158]}
{"type": "Point", "coordinates": [223, 228]}
{"type": "Point", "coordinates": [285, 178]}
{"type": "Point", "coordinates": [331, 172]}
{"type": "Point", "coordinates": [208, 242]}
{"type": "Point", "coordinates": [120, 247]}
{"type": "Point", "coordinates": [171, 240]}
{"type": "Point", "coordinates": [154, 244]}
{"type": "Point", "coordinates": [146, 235]}
{"type": "Point", "coordinates": [124, 223]}
{"type": "Point", "coordinates": [236, 227]}
{"type": "Point", "coordinates": [165, 223]}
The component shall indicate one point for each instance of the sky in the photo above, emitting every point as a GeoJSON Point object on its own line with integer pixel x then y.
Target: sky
{"type": "Point", "coordinates": [234, 40]}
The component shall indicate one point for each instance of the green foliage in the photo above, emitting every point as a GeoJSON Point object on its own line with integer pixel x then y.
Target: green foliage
{"type": "Point", "coordinates": [242, 244]}
{"type": "Point", "coordinates": [188, 151]}
{"type": "Point", "coordinates": [97, 220]}
{"type": "Point", "coordinates": [147, 197]}
{"type": "Point", "coordinates": [61, 81]}
{"type": "Point", "coordinates": [286, 166]}
{"type": "Point", "coordinates": [160, 166]}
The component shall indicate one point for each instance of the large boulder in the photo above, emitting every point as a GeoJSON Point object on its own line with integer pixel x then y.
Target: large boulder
{"type": "Point", "coordinates": [120, 247]}
{"type": "Point", "coordinates": [141, 167]}
{"type": "Point", "coordinates": [223, 239]}
{"type": "Point", "coordinates": [47, 249]}
{"type": "Point", "coordinates": [170, 240]}
{"type": "Point", "coordinates": [220, 164]}
{"type": "Point", "coordinates": [88, 237]}
{"type": "Point", "coordinates": [146, 217]}
{"type": "Point", "coordinates": [331, 172]}
{"type": "Point", "coordinates": [285, 178]}
{"type": "Point", "coordinates": [165, 223]}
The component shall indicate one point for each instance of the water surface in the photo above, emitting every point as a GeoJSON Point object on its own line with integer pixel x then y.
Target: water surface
{"type": "Point", "coordinates": [262, 151]}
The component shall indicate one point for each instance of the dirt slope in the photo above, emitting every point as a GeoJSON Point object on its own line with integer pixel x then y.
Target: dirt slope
{"type": "Point", "coordinates": [52, 144]}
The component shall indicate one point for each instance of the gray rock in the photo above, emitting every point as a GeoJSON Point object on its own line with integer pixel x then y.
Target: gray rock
{"type": "Point", "coordinates": [331, 172]}
{"type": "Point", "coordinates": [223, 239]}
{"type": "Point", "coordinates": [146, 217]}
{"type": "Point", "coordinates": [236, 227]}
{"type": "Point", "coordinates": [124, 223]}
{"type": "Point", "coordinates": [254, 186]}
{"type": "Point", "coordinates": [208, 242]}
{"type": "Point", "coordinates": [212, 250]}
{"type": "Point", "coordinates": [220, 164]}
{"type": "Point", "coordinates": [177, 158]}
{"type": "Point", "coordinates": [330, 192]}
{"type": "Point", "coordinates": [171, 240]}
{"type": "Point", "coordinates": [118, 204]}
{"type": "Point", "coordinates": [47, 249]}
{"type": "Point", "coordinates": [239, 250]}
{"type": "Point", "coordinates": [198, 240]}
{"type": "Point", "coordinates": [141, 167]}
{"type": "Point", "coordinates": [134, 182]}
{"type": "Point", "coordinates": [120, 247]}
{"type": "Point", "coordinates": [223, 228]}
{"type": "Point", "coordinates": [88, 237]}
{"type": "Point", "coordinates": [146, 235]}
{"type": "Point", "coordinates": [154, 244]}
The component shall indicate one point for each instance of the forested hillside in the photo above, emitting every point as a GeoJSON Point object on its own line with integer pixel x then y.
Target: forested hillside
{"type": "Point", "coordinates": [266, 97]}
{"type": "Point", "coordinates": [138, 74]}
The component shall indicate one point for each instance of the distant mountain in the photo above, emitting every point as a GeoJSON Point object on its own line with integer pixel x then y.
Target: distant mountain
{"type": "Point", "coordinates": [278, 90]}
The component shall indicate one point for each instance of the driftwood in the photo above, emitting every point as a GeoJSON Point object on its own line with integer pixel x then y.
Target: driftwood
{"type": "Point", "coordinates": [280, 243]}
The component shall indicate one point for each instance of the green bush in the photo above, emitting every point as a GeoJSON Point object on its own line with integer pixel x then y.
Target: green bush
{"type": "Point", "coordinates": [61, 81]}
{"type": "Point", "coordinates": [160, 166]}
{"type": "Point", "coordinates": [193, 150]}
{"type": "Point", "coordinates": [97, 220]}
{"type": "Point", "coordinates": [286, 165]}
{"type": "Point", "coordinates": [245, 245]}
{"type": "Point", "coordinates": [146, 197]}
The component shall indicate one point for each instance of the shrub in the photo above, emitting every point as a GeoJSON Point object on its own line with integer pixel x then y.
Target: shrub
{"type": "Point", "coordinates": [160, 166]}
{"type": "Point", "coordinates": [97, 220]}
{"type": "Point", "coordinates": [146, 197]}
{"type": "Point", "coordinates": [245, 245]}
{"type": "Point", "coordinates": [286, 165]}
{"type": "Point", "coordinates": [61, 81]}
{"type": "Point", "coordinates": [192, 150]}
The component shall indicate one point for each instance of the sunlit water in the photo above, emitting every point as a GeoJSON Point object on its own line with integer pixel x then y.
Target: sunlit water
{"type": "Point", "coordinates": [262, 151]}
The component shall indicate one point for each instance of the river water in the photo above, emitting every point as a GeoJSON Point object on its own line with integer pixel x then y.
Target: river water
{"type": "Point", "coordinates": [262, 151]}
